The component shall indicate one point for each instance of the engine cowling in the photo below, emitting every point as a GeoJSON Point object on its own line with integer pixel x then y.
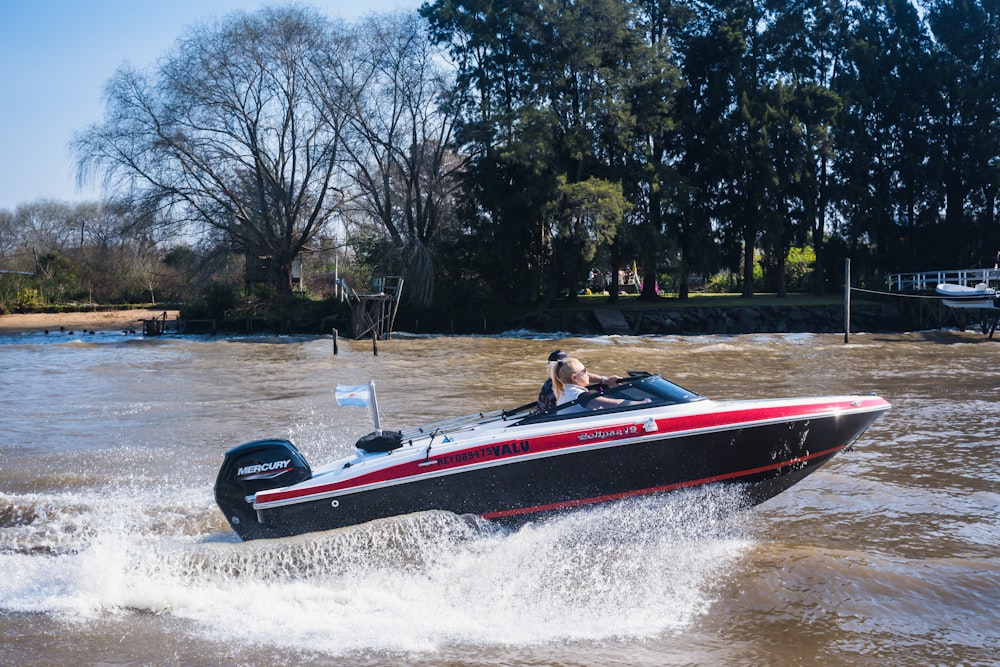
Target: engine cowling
{"type": "Point", "coordinates": [252, 467]}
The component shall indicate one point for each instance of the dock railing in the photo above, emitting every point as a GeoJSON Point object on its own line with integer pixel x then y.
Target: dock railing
{"type": "Point", "coordinates": [926, 281]}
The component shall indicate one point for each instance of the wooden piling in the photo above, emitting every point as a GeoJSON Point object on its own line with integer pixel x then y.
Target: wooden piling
{"type": "Point", "coordinates": [847, 300]}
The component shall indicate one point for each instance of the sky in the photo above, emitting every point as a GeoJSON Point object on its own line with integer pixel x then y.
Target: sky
{"type": "Point", "coordinates": [57, 55]}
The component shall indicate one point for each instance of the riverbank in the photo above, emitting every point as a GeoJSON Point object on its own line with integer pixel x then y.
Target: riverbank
{"type": "Point", "coordinates": [706, 319]}
{"type": "Point", "coordinates": [700, 315]}
{"type": "Point", "coordinates": [91, 320]}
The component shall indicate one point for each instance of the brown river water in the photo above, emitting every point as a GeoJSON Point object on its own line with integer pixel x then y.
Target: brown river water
{"type": "Point", "coordinates": [113, 551]}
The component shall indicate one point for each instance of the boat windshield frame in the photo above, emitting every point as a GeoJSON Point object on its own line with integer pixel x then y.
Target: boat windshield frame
{"type": "Point", "coordinates": [634, 389]}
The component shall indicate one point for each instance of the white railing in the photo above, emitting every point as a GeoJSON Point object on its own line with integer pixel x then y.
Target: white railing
{"type": "Point", "coordinates": [924, 281]}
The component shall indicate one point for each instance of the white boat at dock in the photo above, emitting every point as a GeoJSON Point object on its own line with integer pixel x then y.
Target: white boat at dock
{"type": "Point", "coordinates": [963, 296]}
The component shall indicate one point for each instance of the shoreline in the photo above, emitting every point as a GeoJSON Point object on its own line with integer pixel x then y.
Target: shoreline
{"type": "Point", "coordinates": [710, 316]}
{"type": "Point", "coordinates": [107, 320]}
{"type": "Point", "coordinates": [131, 320]}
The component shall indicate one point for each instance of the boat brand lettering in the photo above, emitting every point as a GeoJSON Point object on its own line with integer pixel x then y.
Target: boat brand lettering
{"type": "Point", "coordinates": [258, 468]}
{"type": "Point", "coordinates": [509, 448]}
{"type": "Point", "coordinates": [601, 435]}
{"type": "Point", "coordinates": [492, 451]}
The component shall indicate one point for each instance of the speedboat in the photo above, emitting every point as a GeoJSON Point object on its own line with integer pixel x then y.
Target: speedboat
{"type": "Point", "coordinates": [963, 296]}
{"type": "Point", "coordinates": [514, 466]}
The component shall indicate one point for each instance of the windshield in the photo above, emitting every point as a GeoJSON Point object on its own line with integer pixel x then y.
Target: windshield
{"type": "Point", "coordinates": [638, 391]}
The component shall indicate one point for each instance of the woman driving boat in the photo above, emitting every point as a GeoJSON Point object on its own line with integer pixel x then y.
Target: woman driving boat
{"type": "Point", "coordinates": [569, 382]}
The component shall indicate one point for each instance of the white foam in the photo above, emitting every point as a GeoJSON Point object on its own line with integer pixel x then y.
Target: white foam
{"type": "Point", "coordinates": [409, 584]}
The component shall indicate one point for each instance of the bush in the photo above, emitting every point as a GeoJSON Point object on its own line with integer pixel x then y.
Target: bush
{"type": "Point", "coordinates": [799, 264]}
{"type": "Point", "coordinates": [27, 298]}
{"type": "Point", "coordinates": [213, 303]}
{"type": "Point", "coordinates": [721, 283]}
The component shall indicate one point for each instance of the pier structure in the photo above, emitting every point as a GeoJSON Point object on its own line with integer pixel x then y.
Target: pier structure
{"type": "Point", "coordinates": [921, 285]}
{"type": "Point", "coordinates": [373, 315]}
{"type": "Point", "coordinates": [926, 281]}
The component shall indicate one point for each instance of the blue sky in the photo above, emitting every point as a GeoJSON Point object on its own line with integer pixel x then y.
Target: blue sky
{"type": "Point", "coordinates": [56, 56]}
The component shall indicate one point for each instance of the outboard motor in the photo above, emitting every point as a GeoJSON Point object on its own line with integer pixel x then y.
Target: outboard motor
{"type": "Point", "coordinates": [252, 467]}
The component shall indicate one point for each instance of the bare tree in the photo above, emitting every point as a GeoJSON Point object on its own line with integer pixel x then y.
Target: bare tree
{"type": "Point", "coordinates": [233, 132]}
{"type": "Point", "coordinates": [47, 225]}
{"type": "Point", "coordinates": [401, 123]}
{"type": "Point", "coordinates": [8, 235]}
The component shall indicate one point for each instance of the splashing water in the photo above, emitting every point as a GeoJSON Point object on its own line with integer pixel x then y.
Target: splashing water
{"type": "Point", "coordinates": [632, 569]}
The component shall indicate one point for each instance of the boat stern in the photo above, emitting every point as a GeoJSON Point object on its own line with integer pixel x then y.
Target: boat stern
{"type": "Point", "coordinates": [252, 467]}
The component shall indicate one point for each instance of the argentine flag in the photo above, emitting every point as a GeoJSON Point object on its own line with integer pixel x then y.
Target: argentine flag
{"type": "Point", "coordinates": [354, 395]}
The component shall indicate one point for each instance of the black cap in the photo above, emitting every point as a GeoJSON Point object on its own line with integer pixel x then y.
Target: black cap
{"type": "Point", "coordinates": [557, 355]}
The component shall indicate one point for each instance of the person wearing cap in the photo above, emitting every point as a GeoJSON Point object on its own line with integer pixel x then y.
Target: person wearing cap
{"type": "Point", "coordinates": [547, 396]}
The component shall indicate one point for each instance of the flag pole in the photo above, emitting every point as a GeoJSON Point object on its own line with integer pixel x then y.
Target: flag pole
{"type": "Point", "coordinates": [374, 408]}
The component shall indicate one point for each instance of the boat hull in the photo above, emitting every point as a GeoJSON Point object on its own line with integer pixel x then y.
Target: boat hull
{"type": "Point", "coordinates": [764, 459]}
{"type": "Point", "coordinates": [962, 296]}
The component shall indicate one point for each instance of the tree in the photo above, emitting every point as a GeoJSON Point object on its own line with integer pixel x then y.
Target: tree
{"type": "Point", "coordinates": [750, 174]}
{"type": "Point", "coordinates": [489, 43]}
{"type": "Point", "coordinates": [233, 132]}
{"type": "Point", "coordinates": [701, 141]}
{"type": "Point", "coordinates": [8, 236]}
{"type": "Point", "coordinates": [881, 139]}
{"type": "Point", "coordinates": [401, 141]}
{"type": "Point", "coordinates": [808, 45]}
{"type": "Point", "coordinates": [548, 104]}
{"type": "Point", "coordinates": [652, 156]}
{"type": "Point", "coordinates": [583, 217]}
{"type": "Point", "coordinates": [966, 56]}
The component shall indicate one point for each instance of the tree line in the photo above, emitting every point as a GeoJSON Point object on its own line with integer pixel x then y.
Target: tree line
{"type": "Point", "coordinates": [700, 135]}
{"type": "Point", "coordinates": [503, 149]}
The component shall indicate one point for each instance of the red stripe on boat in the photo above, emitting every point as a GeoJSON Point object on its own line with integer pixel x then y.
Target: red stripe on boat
{"type": "Point", "coordinates": [666, 427]}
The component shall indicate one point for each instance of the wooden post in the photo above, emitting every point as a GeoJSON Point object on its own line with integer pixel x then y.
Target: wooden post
{"type": "Point", "coordinates": [375, 342]}
{"type": "Point", "coordinates": [335, 340]}
{"type": "Point", "coordinates": [847, 300]}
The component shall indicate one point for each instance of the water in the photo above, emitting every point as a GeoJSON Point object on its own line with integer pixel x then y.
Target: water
{"type": "Point", "coordinates": [114, 552]}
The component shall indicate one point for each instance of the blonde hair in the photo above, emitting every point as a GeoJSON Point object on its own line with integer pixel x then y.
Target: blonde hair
{"type": "Point", "coordinates": [562, 371]}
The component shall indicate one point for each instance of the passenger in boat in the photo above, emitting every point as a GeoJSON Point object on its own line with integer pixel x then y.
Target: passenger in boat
{"type": "Point", "coordinates": [547, 397]}
{"type": "Point", "coordinates": [570, 380]}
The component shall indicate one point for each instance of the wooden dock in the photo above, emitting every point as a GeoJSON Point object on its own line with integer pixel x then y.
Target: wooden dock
{"type": "Point", "coordinates": [160, 325]}
{"type": "Point", "coordinates": [156, 326]}
{"type": "Point", "coordinates": [373, 315]}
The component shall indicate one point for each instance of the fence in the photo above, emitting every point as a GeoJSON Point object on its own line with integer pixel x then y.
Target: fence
{"type": "Point", "coordinates": [926, 281]}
